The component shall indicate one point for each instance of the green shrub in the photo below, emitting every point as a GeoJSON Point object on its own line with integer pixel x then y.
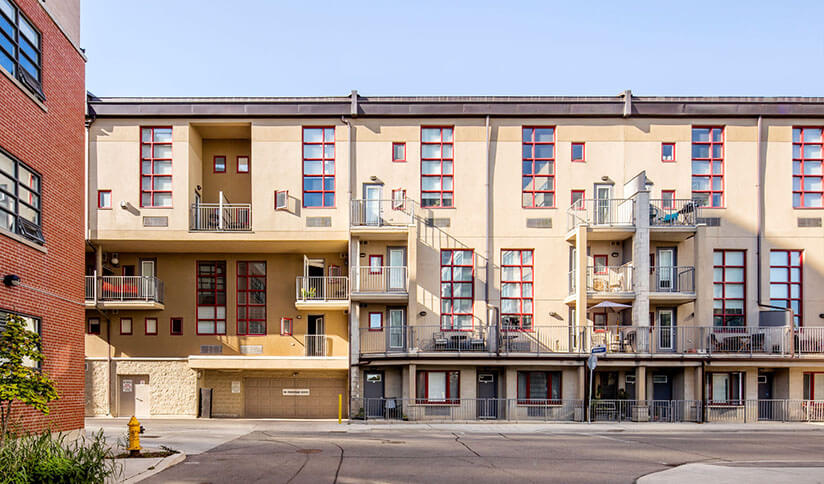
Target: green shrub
{"type": "Point", "coordinates": [47, 457]}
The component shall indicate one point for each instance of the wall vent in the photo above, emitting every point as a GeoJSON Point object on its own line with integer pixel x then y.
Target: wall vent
{"type": "Point", "coordinates": [710, 221]}
{"type": "Point", "coordinates": [211, 349]}
{"type": "Point", "coordinates": [318, 221]}
{"type": "Point", "coordinates": [251, 349]}
{"type": "Point", "coordinates": [437, 222]}
{"type": "Point", "coordinates": [155, 221]}
{"type": "Point", "coordinates": [809, 221]}
{"type": "Point", "coordinates": [539, 223]}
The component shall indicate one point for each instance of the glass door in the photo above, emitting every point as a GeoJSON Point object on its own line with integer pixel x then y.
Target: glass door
{"type": "Point", "coordinates": [147, 271]}
{"type": "Point", "coordinates": [666, 329]}
{"type": "Point", "coordinates": [666, 270]}
{"type": "Point", "coordinates": [372, 209]}
{"type": "Point", "coordinates": [396, 332]}
{"type": "Point", "coordinates": [397, 269]}
{"type": "Point", "coordinates": [603, 195]}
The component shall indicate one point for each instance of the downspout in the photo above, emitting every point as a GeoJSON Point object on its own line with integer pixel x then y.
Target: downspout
{"type": "Point", "coordinates": [759, 211]}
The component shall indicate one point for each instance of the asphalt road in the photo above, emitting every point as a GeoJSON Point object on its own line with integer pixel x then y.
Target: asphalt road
{"type": "Point", "coordinates": [315, 454]}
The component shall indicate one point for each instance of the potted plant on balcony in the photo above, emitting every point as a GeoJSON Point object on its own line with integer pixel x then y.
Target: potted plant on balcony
{"type": "Point", "coordinates": [307, 293]}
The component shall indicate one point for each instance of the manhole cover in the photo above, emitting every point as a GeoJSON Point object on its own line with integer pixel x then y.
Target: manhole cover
{"type": "Point", "coordinates": [309, 451]}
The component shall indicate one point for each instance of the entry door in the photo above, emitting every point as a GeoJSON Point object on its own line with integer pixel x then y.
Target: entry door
{"type": "Point", "coordinates": [315, 336]}
{"type": "Point", "coordinates": [142, 399]}
{"type": "Point", "coordinates": [373, 393]}
{"type": "Point", "coordinates": [765, 404]}
{"type": "Point", "coordinates": [603, 195]}
{"type": "Point", "coordinates": [487, 395]}
{"type": "Point", "coordinates": [661, 395]}
{"type": "Point", "coordinates": [666, 270]}
{"type": "Point", "coordinates": [147, 270]}
{"type": "Point", "coordinates": [666, 330]}
{"type": "Point", "coordinates": [397, 269]}
{"type": "Point", "coordinates": [313, 281]}
{"type": "Point", "coordinates": [372, 210]}
{"type": "Point", "coordinates": [396, 331]}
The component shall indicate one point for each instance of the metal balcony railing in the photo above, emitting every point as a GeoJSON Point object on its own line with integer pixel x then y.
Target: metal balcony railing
{"type": "Point", "coordinates": [322, 288]}
{"type": "Point", "coordinates": [315, 345]}
{"type": "Point", "coordinates": [672, 279]}
{"type": "Point", "coordinates": [809, 340]}
{"type": "Point", "coordinates": [124, 288]}
{"type": "Point", "coordinates": [608, 279]}
{"type": "Point", "coordinates": [673, 212]}
{"type": "Point", "coordinates": [382, 213]}
{"type": "Point", "coordinates": [606, 212]}
{"type": "Point", "coordinates": [382, 279]}
{"type": "Point", "coordinates": [221, 217]}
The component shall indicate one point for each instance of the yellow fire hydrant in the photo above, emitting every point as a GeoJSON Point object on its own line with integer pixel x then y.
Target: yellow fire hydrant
{"type": "Point", "coordinates": [134, 436]}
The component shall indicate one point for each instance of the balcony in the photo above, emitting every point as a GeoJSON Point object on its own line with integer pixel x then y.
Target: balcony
{"type": "Point", "coordinates": [674, 219]}
{"type": "Point", "coordinates": [322, 292]}
{"type": "Point", "coordinates": [675, 284]}
{"type": "Point", "coordinates": [605, 282]}
{"type": "Point", "coordinates": [426, 339]}
{"type": "Point", "coordinates": [381, 215]}
{"type": "Point", "coordinates": [315, 345]}
{"type": "Point", "coordinates": [608, 214]}
{"type": "Point", "coordinates": [220, 217]}
{"type": "Point", "coordinates": [124, 292]}
{"type": "Point", "coordinates": [380, 284]}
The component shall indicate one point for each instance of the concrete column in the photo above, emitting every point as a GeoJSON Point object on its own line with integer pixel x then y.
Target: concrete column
{"type": "Point", "coordinates": [98, 260]}
{"type": "Point", "coordinates": [412, 264]}
{"type": "Point", "coordinates": [641, 383]}
{"type": "Point", "coordinates": [411, 381]}
{"type": "Point", "coordinates": [640, 260]}
{"type": "Point", "coordinates": [582, 381]}
{"type": "Point", "coordinates": [580, 266]}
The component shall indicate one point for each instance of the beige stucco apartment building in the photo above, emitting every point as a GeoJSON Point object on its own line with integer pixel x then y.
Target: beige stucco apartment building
{"type": "Point", "coordinates": [456, 258]}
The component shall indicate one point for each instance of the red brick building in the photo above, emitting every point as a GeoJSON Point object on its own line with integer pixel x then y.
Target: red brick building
{"type": "Point", "coordinates": [42, 109]}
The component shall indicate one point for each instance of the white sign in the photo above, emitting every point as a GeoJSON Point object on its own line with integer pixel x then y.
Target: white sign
{"type": "Point", "coordinates": [292, 392]}
{"type": "Point", "coordinates": [235, 387]}
{"type": "Point", "coordinates": [592, 362]}
{"type": "Point", "coordinates": [127, 386]}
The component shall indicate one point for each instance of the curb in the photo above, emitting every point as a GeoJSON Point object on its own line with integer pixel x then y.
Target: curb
{"type": "Point", "coordinates": [161, 466]}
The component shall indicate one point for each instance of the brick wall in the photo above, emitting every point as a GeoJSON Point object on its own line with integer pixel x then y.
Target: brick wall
{"type": "Point", "coordinates": [51, 142]}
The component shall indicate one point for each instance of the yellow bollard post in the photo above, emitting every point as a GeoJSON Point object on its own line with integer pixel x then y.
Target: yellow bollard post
{"type": "Point", "coordinates": [340, 408]}
{"type": "Point", "coordinates": [134, 436]}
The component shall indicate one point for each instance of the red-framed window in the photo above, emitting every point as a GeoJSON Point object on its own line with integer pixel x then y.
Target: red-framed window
{"type": "Point", "coordinates": [375, 264]}
{"type": "Point", "coordinates": [786, 282]}
{"type": "Point", "coordinates": [156, 167]}
{"type": "Point", "coordinates": [729, 288]}
{"type": "Point", "coordinates": [286, 326]}
{"type": "Point", "coordinates": [243, 164]}
{"type": "Point", "coordinates": [667, 152]}
{"type": "Point", "coordinates": [125, 326]}
{"type": "Point", "coordinates": [150, 326]}
{"type": "Point", "coordinates": [814, 385]}
{"type": "Point", "coordinates": [708, 166]}
{"type": "Point", "coordinates": [457, 289]}
{"type": "Point", "coordinates": [601, 264]}
{"type": "Point", "coordinates": [318, 166]}
{"type": "Point", "coordinates": [808, 186]}
{"type": "Point", "coordinates": [104, 199]}
{"type": "Point", "coordinates": [437, 182]}
{"type": "Point", "coordinates": [251, 298]}
{"type": "Point", "coordinates": [399, 152]}
{"type": "Point", "coordinates": [375, 321]}
{"type": "Point", "coordinates": [219, 164]}
{"type": "Point", "coordinates": [399, 199]}
{"type": "Point", "coordinates": [211, 297]}
{"type": "Point", "coordinates": [667, 199]}
{"type": "Point", "coordinates": [176, 326]}
{"type": "Point", "coordinates": [577, 198]}
{"type": "Point", "coordinates": [538, 167]}
{"type": "Point", "coordinates": [725, 388]}
{"type": "Point", "coordinates": [539, 387]}
{"type": "Point", "coordinates": [93, 326]}
{"type": "Point", "coordinates": [579, 152]}
{"type": "Point", "coordinates": [516, 289]}
{"type": "Point", "coordinates": [438, 386]}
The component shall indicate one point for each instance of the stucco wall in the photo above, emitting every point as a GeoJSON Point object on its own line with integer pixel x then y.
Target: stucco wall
{"type": "Point", "coordinates": [173, 385]}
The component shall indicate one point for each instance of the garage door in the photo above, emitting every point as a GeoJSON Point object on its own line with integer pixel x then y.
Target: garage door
{"type": "Point", "coordinates": [287, 398]}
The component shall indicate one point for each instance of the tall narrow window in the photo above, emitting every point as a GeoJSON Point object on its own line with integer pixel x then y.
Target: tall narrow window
{"type": "Point", "coordinates": [814, 386]}
{"type": "Point", "coordinates": [457, 279]}
{"type": "Point", "coordinates": [437, 188]}
{"type": "Point", "coordinates": [318, 167]}
{"type": "Point", "coordinates": [211, 297]}
{"type": "Point", "coordinates": [19, 198]}
{"type": "Point", "coordinates": [729, 276]}
{"type": "Point", "coordinates": [708, 166]}
{"type": "Point", "coordinates": [125, 325]}
{"type": "Point", "coordinates": [93, 326]}
{"type": "Point", "coordinates": [20, 47]}
{"type": "Point", "coordinates": [516, 289]}
{"type": "Point", "coordinates": [286, 326]}
{"type": "Point", "coordinates": [104, 199]}
{"type": "Point", "coordinates": [786, 273]}
{"type": "Point", "coordinates": [577, 199]}
{"type": "Point", "coordinates": [251, 298]}
{"type": "Point", "coordinates": [243, 164]}
{"type": "Point", "coordinates": [601, 263]}
{"type": "Point", "coordinates": [538, 167]}
{"type": "Point", "coordinates": [808, 188]}
{"type": "Point", "coordinates": [150, 326]}
{"type": "Point", "coordinates": [156, 167]}
{"type": "Point", "coordinates": [667, 199]}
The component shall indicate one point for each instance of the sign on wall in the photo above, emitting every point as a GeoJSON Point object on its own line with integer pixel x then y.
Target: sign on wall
{"type": "Point", "coordinates": [127, 386]}
{"type": "Point", "coordinates": [295, 392]}
{"type": "Point", "coordinates": [235, 387]}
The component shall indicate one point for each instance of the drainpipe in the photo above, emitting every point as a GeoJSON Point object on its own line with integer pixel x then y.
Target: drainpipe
{"type": "Point", "coordinates": [759, 210]}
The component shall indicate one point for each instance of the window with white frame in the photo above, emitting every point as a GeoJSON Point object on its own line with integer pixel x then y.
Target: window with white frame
{"type": "Point", "coordinates": [725, 388]}
{"type": "Point", "coordinates": [438, 386]}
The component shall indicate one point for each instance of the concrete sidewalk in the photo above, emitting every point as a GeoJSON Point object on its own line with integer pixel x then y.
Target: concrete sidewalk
{"type": "Point", "coordinates": [737, 473]}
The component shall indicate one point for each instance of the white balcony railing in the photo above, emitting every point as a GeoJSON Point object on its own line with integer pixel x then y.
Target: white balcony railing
{"type": "Point", "coordinates": [605, 212]}
{"type": "Point", "coordinates": [322, 288]}
{"type": "Point", "coordinates": [372, 279]}
{"type": "Point", "coordinates": [315, 345]}
{"type": "Point", "coordinates": [672, 279]}
{"type": "Point", "coordinates": [382, 213]}
{"type": "Point", "coordinates": [606, 279]}
{"type": "Point", "coordinates": [124, 288]}
{"type": "Point", "coordinates": [221, 217]}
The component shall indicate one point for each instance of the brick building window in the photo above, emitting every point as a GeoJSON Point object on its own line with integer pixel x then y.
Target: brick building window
{"type": "Point", "coordinates": [251, 298]}
{"type": "Point", "coordinates": [318, 167]}
{"type": "Point", "coordinates": [457, 291]}
{"type": "Point", "coordinates": [538, 167]}
{"type": "Point", "coordinates": [729, 292]}
{"type": "Point", "coordinates": [516, 289]}
{"type": "Point", "coordinates": [211, 297]}
{"type": "Point", "coordinates": [539, 387]}
{"type": "Point", "coordinates": [808, 189]}
{"type": "Point", "coordinates": [438, 386]}
{"type": "Point", "coordinates": [20, 52]}
{"type": "Point", "coordinates": [437, 182]}
{"type": "Point", "coordinates": [786, 278]}
{"type": "Point", "coordinates": [19, 198]}
{"type": "Point", "coordinates": [156, 167]}
{"type": "Point", "coordinates": [708, 166]}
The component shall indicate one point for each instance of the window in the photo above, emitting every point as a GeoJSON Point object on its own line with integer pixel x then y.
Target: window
{"type": "Point", "coordinates": [286, 326]}
{"type": "Point", "coordinates": [318, 167]}
{"type": "Point", "coordinates": [31, 323]}
{"type": "Point", "coordinates": [375, 321]}
{"type": "Point", "coordinates": [457, 291]}
{"type": "Point", "coordinates": [516, 289]}
{"type": "Point", "coordinates": [150, 326]}
{"type": "Point", "coordinates": [577, 199]}
{"type": "Point", "coordinates": [539, 387]}
{"type": "Point", "coordinates": [725, 388]}
{"type": "Point", "coordinates": [814, 386]}
{"type": "Point", "coordinates": [375, 264]}
{"type": "Point", "coordinates": [438, 387]}
{"type": "Point", "coordinates": [668, 199]}
{"type": "Point", "coordinates": [437, 187]}
{"type": "Point", "coordinates": [125, 325]}
{"type": "Point", "coordinates": [19, 198]}
{"type": "Point", "coordinates": [708, 166]}
{"type": "Point", "coordinates": [104, 199]}
{"type": "Point", "coordinates": [599, 320]}
{"type": "Point", "coordinates": [281, 199]}
{"type": "Point", "coordinates": [93, 326]}
{"type": "Point", "coordinates": [211, 297]}
{"type": "Point", "coordinates": [399, 199]}
{"type": "Point", "coordinates": [176, 326]}
{"type": "Point", "coordinates": [729, 276]}
{"type": "Point", "coordinates": [578, 152]}
{"type": "Point", "coordinates": [538, 167]}
{"type": "Point", "coordinates": [156, 167]}
{"type": "Point", "coordinates": [601, 263]}
{"type": "Point", "coordinates": [220, 164]}
{"type": "Point", "coordinates": [667, 151]}
{"type": "Point", "coordinates": [399, 152]}
{"type": "Point", "coordinates": [251, 298]}
{"type": "Point", "coordinates": [20, 47]}
{"type": "Point", "coordinates": [808, 189]}
{"type": "Point", "coordinates": [243, 164]}
{"type": "Point", "coordinates": [786, 273]}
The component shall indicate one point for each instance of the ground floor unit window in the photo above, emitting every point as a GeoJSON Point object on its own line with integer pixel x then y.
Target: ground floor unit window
{"type": "Point", "coordinates": [438, 386]}
{"type": "Point", "coordinates": [539, 387]}
{"type": "Point", "coordinates": [725, 388]}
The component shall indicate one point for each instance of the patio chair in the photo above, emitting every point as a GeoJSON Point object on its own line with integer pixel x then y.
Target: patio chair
{"type": "Point", "coordinates": [440, 341]}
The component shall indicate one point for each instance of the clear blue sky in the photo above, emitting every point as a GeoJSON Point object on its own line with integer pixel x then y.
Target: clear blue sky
{"type": "Point", "coordinates": [309, 48]}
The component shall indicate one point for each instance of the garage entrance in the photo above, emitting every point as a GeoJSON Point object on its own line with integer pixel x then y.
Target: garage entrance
{"type": "Point", "coordinates": [294, 397]}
